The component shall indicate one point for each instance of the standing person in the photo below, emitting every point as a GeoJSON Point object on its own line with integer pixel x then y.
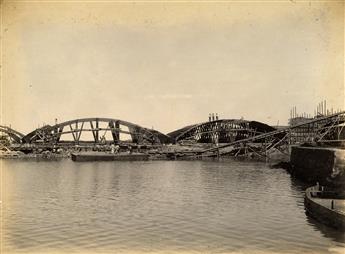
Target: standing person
{"type": "Point", "coordinates": [117, 148]}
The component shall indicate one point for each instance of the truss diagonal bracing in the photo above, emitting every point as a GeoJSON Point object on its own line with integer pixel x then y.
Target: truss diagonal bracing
{"type": "Point", "coordinates": [324, 129]}
{"type": "Point", "coordinates": [97, 131]}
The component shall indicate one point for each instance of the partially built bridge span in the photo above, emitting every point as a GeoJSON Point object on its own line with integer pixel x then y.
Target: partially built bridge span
{"type": "Point", "coordinates": [95, 131]}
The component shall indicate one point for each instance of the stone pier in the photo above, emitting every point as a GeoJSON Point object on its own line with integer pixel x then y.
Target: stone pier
{"type": "Point", "coordinates": [319, 164]}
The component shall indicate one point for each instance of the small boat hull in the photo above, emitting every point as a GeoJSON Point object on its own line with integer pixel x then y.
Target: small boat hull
{"type": "Point", "coordinates": [101, 156]}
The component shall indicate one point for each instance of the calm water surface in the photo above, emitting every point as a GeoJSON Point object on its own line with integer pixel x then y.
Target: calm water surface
{"type": "Point", "coordinates": [157, 206]}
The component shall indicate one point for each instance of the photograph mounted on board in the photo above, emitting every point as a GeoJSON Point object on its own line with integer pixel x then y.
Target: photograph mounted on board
{"type": "Point", "coordinates": [172, 127]}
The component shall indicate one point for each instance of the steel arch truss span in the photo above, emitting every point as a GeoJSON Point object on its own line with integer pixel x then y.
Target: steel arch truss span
{"type": "Point", "coordinates": [220, 131]}
{"type": "Point", "coordinates": [98, 131]}
{"type": "Point", "coordinates": [15, 136]}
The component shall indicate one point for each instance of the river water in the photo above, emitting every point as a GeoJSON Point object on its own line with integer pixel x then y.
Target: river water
{"type": "Point", "coordinates": [157, 206]}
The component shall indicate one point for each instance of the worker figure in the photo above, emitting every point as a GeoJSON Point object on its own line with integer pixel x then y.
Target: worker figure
{"type": "Point", "coordinates": [102, 140]}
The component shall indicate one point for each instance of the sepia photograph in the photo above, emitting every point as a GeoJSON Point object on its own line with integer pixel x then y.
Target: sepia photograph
{"type": "Point", "coordinates": [172, 127]}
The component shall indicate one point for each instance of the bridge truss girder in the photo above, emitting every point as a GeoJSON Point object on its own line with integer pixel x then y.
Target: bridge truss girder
{"type": "Point", "coordinates": [321, 130]}
{"type": "Point", "coordinates": [15, 136]}
{"type": "Point", "coordinates": [220, 131]}
{"type": "Point", "coordinates": [54, 134]}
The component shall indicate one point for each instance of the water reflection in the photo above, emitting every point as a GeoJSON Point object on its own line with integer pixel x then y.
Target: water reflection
{"type": "Point", "coordinates": [327, 231]}
{"type": "Point", "coordinates": [156, 206]}
{"type": "Point", "coordinates": [299, 188]}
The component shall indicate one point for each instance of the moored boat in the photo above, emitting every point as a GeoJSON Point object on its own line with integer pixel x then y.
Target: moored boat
{"type": "Point", "coordinates": [103, 156]}
{"type": "Point", "coordinates": [325, 206]}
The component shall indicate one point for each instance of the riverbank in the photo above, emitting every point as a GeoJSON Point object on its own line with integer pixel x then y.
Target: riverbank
{"type": "Point", "coordinates": [164, 152]}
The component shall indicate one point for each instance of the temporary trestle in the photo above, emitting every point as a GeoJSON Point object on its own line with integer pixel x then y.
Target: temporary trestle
{"type": "Point", "coordinates": [100, 128]}
{"type": "Point", "coordinates": [324, 129]}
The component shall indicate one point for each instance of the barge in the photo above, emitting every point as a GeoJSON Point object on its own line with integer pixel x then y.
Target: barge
{"type": "Point", "coordinates": [103, 156]}
{"type": "Point", "coordinates": [321, 206]}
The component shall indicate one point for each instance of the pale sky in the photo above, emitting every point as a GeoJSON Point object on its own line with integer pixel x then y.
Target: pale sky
{"type": "Point", "coordinates": [169, 64]}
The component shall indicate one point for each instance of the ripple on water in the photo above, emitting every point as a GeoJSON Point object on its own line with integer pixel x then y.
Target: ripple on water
{"type": "Point", "coordinates": [158, 206]}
